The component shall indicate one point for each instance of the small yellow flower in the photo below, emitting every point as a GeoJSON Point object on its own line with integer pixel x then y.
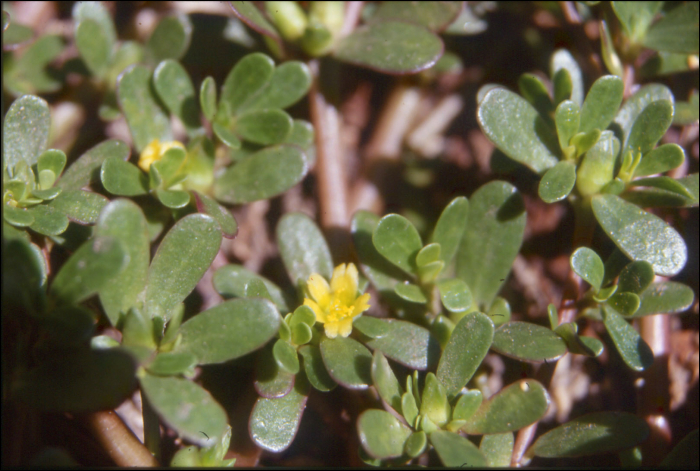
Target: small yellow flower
{"type": "Point", "coordinates": [337, 304]}
{"type": "Point", "coordinates": [155, 151]}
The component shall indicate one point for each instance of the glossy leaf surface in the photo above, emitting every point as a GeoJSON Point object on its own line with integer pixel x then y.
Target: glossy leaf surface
{"type": "Point", "coordinates": [348, 362]}
{"type": "Point", "coordinates": [381, 434]}
{"type": "Point", "coordinates": [25, 132]}
{"type": "Point", "coordinates": [408, 344]}
{"type": "Point", "coordinates": [450, 228]}
{"type": "Point", "coordinates": [557, 182]}
{"type": "Point", "coordinates": [231, 280]}
{"type": "Point", "coordinates": [528, 342]}
{"type": "Point", "coordinates": [303, 248]}
{"type": "Point", "coordinates": [588, 265]}
{"type": "Point", "coordinates": [632, 348]}
{"type": "Point", "coordinates": [86, 170]}
{"type": "Point", "coordinates": [665, 297]}
{"type": "Point", "coordinates": [456, 451]}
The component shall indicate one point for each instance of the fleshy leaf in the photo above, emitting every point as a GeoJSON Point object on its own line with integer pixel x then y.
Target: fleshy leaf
{"type": "Point", "coordinates": [183, 256]}
{"type": "Point", "coordinates": [229, 330]}
{"type": "Point", "coordinates": [303, 248]}
{"type": "Point", "coordinates": [557, 182]}
{"type": "Point", "coordinates": [650, 126]}
{"type": "Point", "coordinates": [207, 98]}
{"type": "Point", "coordinates": [94, 44]}
{"type": "Point", "coordinates": [527, 140]}
{"type": "Point", "coordinates": [123, 178]}
{"type": "Point", "coordinates": [398, 241]}
{"type": "Point", "coordinates": [172, 363]}
{"type": "Point", "coordinates": [93, 265]}
{"type": "Point", "coordinates": [466, 349]}
{"type": "Point", "coordinates": [641, 235]}
{"type": "Point", "coordinates": [274, 422]}
{"type": "Point", "coordinates": [535, 92]}
{"type": "Point", "coordinates": [566, 119]}
{"type": "Point", "coordinates": [633, 349]}
{"type": "Point", "coordinates": [450, 228]}
{"type": "Point", "coordinates": [186, 407]}
{"type": "Point", "coordinates": [562, 59]}
{"type": "Point", "coordinates": [47, 220]}
{"type": "Point", "coordinates": [265, 174]}
{"type": "Point", "coordinates": [675, 32]}
{"type": "Point", "coordinates": [289, 82]}
{"type": "Point", "coordinates": [602, 103]}
{"type": "Point", "coordinates": [231, 280]}
{"type": "Point", "coordinates": [265, 127]}
{"type": "Point", "coordinates": [315, 369]}
{"type": "Point", "coordinates": [384, 379]}
{"type": "Point", "coordinates": [456, 451]}
{"type": "Point", "coordinates": [435, 16]}
{"type": "Point", "coordinates": [246, 79]}
{"type": "Point", "coordinates": [635, 277]}
{"type": "Point", "coordinates": [79, 206]}
{"type": "Point", "coordinates": [271, 381]}
{"type": "Point", "coordinates": [26, 130]}
{"type": "Point", "coordinates": [588, 265]}
{"type": "Point", "coordinates": [170, 39]}
{"type": "Point", "coordinates": [381, 434]}
{"type": "Point", "coordinates": [175, 88]}
{"type": "Point", "coordinates": [286, 356]}
{"type": "Point", "coordinates": [592, 434]}
{"type": "Point", "coordinates": [666, 297]}
{"type": "Point", "coordinates": [492, 239]}
{"type": "Point", "coordinates": [251, 16]}
{"type": "Point", "coordinates": [514, 407]}
{"type": "Point", "coordinates": [455, 295]}
{"type": "Point", "coordinates": [348, 362]}
{"type": "Point", "coordinates": [497, 449]}
{"type": "Point", "coordinates": [391, 47]}
{"type": "Point", "coordinates": [86, 170]}
{"type": "Point", "coordinates": [147, 120]}
{"type": "Point", "coordinates": [635, 104]}
{"type": "Point", "coordinates": [408, 344]}
{"type": "Point", "coordinates": [596, 169]}
{"type": "Point", "coordinates": [660, 160]}
{"type": "Point", "coordinates": [80, 381]}
{"type": "Point", "coordinates": [528, 342]}
{"type": "Point", "coordinates": [411, 293]}
{"type": "Point", "coordinates": [220, 214]}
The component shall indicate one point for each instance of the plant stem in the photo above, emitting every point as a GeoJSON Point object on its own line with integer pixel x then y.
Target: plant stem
{"type": "Point", "coordinates": [151, 428]}
{"type": "Point", "coordinates": [118, 441]}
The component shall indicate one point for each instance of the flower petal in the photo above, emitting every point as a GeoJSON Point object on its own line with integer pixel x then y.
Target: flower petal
{"type": "Point", "coordinates": [319, 290]}
{"type": "Point", "coordinates": [345, 327]}
{"type": "Point", "coordinates": [331, 329]}
{"type": "Point", "coordinates": [361, 304]}
{"type": "Point", "coordinates": [320, 315]}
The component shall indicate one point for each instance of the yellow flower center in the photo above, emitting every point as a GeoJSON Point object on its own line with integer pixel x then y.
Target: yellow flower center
{"type": "Point", "coordinates": [155, 151]}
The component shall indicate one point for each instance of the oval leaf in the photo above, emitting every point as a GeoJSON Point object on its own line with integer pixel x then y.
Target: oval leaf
{"type": "Point", "coordinates": [450, 228]}
{"type": "Point", "coordinates": [381, 434]}
{"type": "Point", "coordinates": [230, 330]}
{"type": "Point", "coordinates": [398, 241]}
{"type": "Point", "coordinates": [385, 381]}
{"type": "Point", "coordinates": [666, 297]}
{"type": "Point", "coordinates": [231, 280]}
{"type": "Point", "coordinates": [348, 362]}
{"type": "Point", "coordinates": [175, 88]}
{"type": "Point", "coordinates": [303, 248]}
{"type": "Point", "coordinates": [25, 132]}
{"type": "Point", "coordinates": [601, 103]}
{"type": "Point", "coordinates": [466, 349]}
{"type": "Point", "coordinates": [265, 127]}
{"type": "Point", "coordinates": [528, 342]}
{"type": "Point", "coordinates": [79, 206]}
{"type": "Point", "coordinates": [456, 451]}
{"type": "Point", "coordinates": [408, 344]}
{"type": "Point", "coordinates": [183, 256]}
{"type": "Point", "coordinates": [315, 369]}
{"type": "Point", "coordinates": [641, 235]}
{"type": "Point", "coordinates": [557, 182]}
{"type": "Point", "coordinates": [633, 349]}
{"type": "Point", "coordinates": [588, 265]}
{"type": "Point", "coordinates": [86, 170]}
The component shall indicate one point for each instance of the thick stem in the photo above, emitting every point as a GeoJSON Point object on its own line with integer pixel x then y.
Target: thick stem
{"type": "Point", "coordinates": [118, 441]}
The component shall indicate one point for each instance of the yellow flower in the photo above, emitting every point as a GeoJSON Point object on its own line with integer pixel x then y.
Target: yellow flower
{"type": "Point", "coordinates": [337, 304]}
{"type": "Point", "coordinates": [155, 151]}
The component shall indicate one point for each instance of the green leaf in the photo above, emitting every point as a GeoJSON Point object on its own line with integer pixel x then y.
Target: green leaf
{"type": "Point", "coordinates": [514, 407]}
{"type": "Point", "coordinates": [666, 297]}
{"type": "Point", "coordinates": [315, 369]}
{"type": "Point", "coordinates": [186, 407]}
{"type": "Point", "coordinates": [409, 409]}
{"type": "Point", "coordinates": [146, 119]}
{"type": "Point", "coordinates": [209, 206]}
{"type": "Point", "coordinates": [124, 221]}
{"type": "Point", "coordinates": [288, 84]}
{"type": "Point", "coordinates": [174, 198]}
{"type": "Point", "coordinates": [86, 169]}
{"type": "Point", "coordinates": [246, 79]}
{"type": "Point", "coordinates": [636, 17]}
{"type": "Point", "coordinates": [557, 182]}
{"type": "Point", "coordinates": [398, 241]}
{"type": "Point", "coordinates": [467, 404]}
{"type": "Point", "coordinates": [172, 363]}
{"type": "Point", "coordinates": [434, 403]}
{"type": "Point", "coordinates": [207, 98]}
{"type": "Point", "coordinates": [536, 93]}
{"type": "Point", "coordinates": [19, 217]}
{"type": "Point", "coordinates": [415, 444]}
{"type": "Point", "coordinates": [303, 248]}
{"type": "Point", "coordinates": [676, 32]}
{"type": "Point", "coordinates": [229, 330]}
{"type": "Point", "coordinates": [450, 228]}
{"type": "Point", "coordinates": [26, 131]}
{"type": "Point", "coordinates": [527, 140]}
{"type": "Point", "coordinates": [93, 265]}
{"type": "Point", "coordinates": [174, 87]}
{"type": "Point", "coordinates": [635, 104]}
{"type": "Point", "coordinates": [664, 183]}
{"type": "Point", "coordinates": [226, 136]}
{"type": "Point", "coordinates": [625, 303]}
{"type": "Point", "coordinates": [654, 197]}
{"type": "Point", "coordinates": [528, 342]}
{"type": "Point", "coordinates": [662, 159]}
{"type": "Point", "coordinates": [411, 293]}
{"type": "Point", "coordinates": [455, 295]}
{"type": "Point", "coordinates": [428, 254]}
{"type": "Point", "coordinates": [391, 47]}
{"type": "Point", "coordinates": [286, 357]}
{"type": "Point", "coordinates": [14, 34]}
{"type": "Point", "coordinates": [435, 16]}
{"type": "Point", "coordinates": [271, 381]}
{"type": "Point", "coordinates": [650, 126]}
{"type": "Point", "coordinates": [562, 59]}
{"type": "Point", "coordinates": [171, 38]}
{"type": "Point", "coordinates": [348, 362]}
{"type": "Point", "coordinates": [251, 16]}
{"type": "Point", "coordinates": [95, 45]}
{"type": "Point", "coordinates": [588, 265]}
{"type": "Point", "coordinates": [123, 178]}
{"type": "Point", "coordinates": [408, 344]}
{"type": "Point", "coordinates": [274, 422]}
{"type": "Point", "coordinates": [641, 235]}
{"type": "Point", "coordinates": [602, 103]}
{"type": "Point", "coordinates": [685, 454]}
{"type": "Point", "coordinates": [24, 275]}
{"type": "Point", "coordinates": [563, 86]}
{"type": "Point", "coordinates": [456, 451]}
{"type": "Point", "coordinates": [265, 127]}
{"type": "Point", "coordinates": [80, 206]}
{"type": "Point", "coordinates": [633, 349]}
{"type": "Point", "coordinates": [596, 169]}
{"type": "Point", "coordinates": [497, 449]}
{"type": "Point", "coordinates": [79, 381]}
{"type": "Point", "coordinates": [371, 326]}
{"type": "Point", "coordinates": [265, 174]}
{"type": "Point", "coordinates": [381, 434]}
{"type": "Point", "coordinates": [231, 280]}
{"type": "Point", "coordinates": [636, 277]}
{"type": "Point", "coordinates": [592, 434]}
{"type": "Point", "coordinates": [566, 119]}
{"type": "Point", "coordinates": [466, 349]}
{"type": "Point", "coordinates": [53, 160]}
{"type": "Point", "coordinates": [183, 256]}
{"type": "Point", "coordinates": [385, 381]}
{"type": "Point", "coordinates": [29, 73]}
{"type": "Point", "coordinates": [97, 12]}
{"type": "Point", "coordinates": [383, 274]}
{"type": "Point", "coordinates": [492, 239]}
